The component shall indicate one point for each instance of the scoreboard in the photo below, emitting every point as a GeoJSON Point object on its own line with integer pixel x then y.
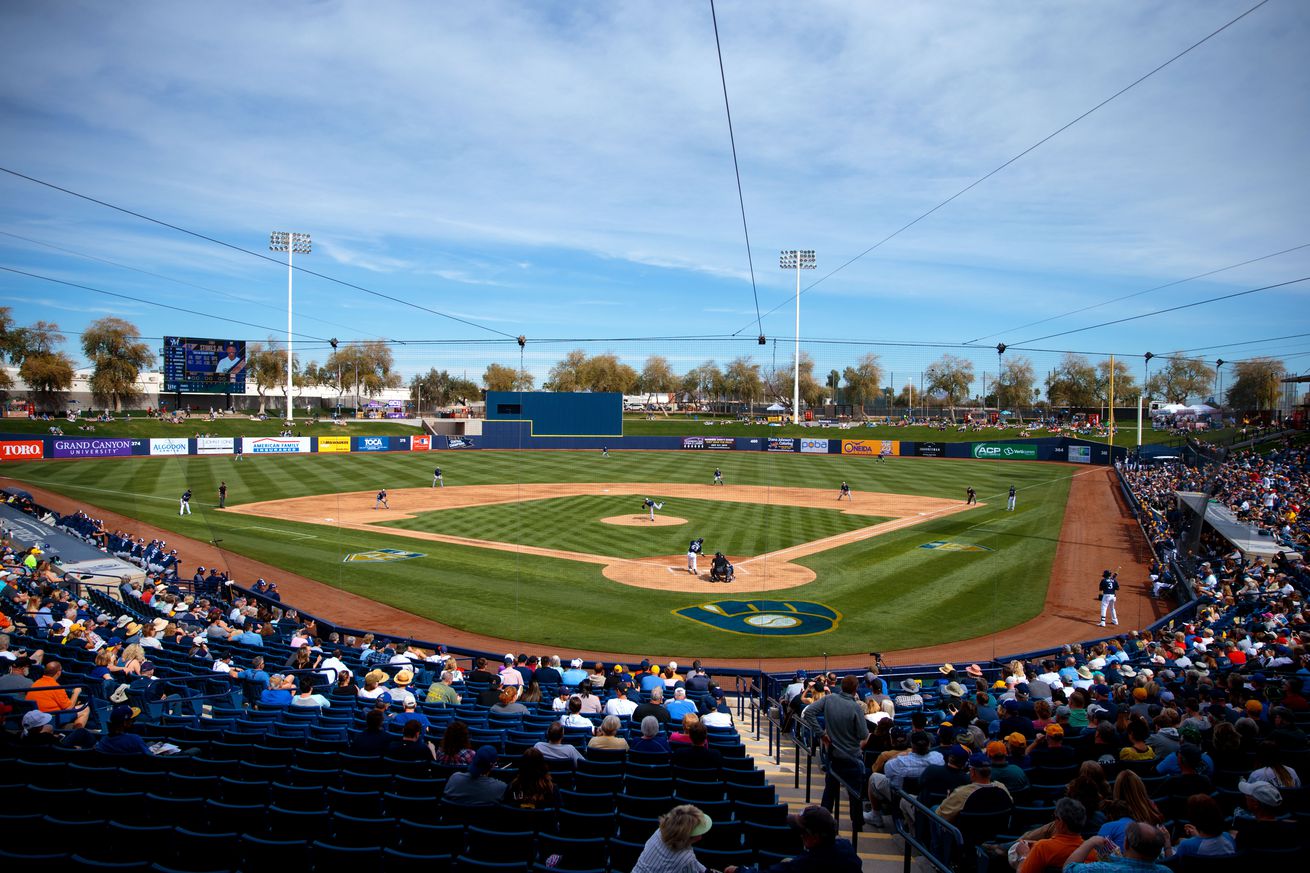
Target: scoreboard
{"type": "Point", "coordinates": [204, 366]}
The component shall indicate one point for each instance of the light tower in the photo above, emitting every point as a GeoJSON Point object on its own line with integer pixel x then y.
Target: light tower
{"type": "Point", "coordinates": [797, 259]}
{"type": "Point", "coordinates": [293, 244]}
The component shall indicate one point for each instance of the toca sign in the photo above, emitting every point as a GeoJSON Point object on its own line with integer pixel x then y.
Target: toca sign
{"type": "Point", "coordinates": [22, 450]}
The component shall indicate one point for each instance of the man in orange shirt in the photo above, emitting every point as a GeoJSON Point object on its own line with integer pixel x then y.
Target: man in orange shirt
{"type": "Point", "coordinates": [1070, 818]}
{"type": "Point", "coordinates": [54, 699]}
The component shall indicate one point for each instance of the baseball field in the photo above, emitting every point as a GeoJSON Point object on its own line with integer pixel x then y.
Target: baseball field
{"type": "Point", "coordinates": [555, 548]}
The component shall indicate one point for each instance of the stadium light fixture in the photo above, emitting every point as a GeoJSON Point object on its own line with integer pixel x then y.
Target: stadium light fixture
{"type": "Point", "coordinates": [1219, 383]}
{"type": "Point", "coordinates": [797, 259]}
{"type": "Point", "coordinates": [293, 244]}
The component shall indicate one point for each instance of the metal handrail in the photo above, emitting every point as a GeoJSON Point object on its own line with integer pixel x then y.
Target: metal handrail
{"type": "Point", "coordinates": [940, 828]}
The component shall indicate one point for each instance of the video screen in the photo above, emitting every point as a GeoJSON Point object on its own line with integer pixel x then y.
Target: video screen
{"type": "Point", "coordinates": [204, 366]}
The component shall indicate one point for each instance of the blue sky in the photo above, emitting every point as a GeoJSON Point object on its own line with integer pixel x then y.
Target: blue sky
{"type": "Point", "coordinates": [562, 170]}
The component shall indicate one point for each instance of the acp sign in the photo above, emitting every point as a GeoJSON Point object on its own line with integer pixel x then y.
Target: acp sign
{"type": "Point", "coordinates": [1005, 451]}
{"type": "Point", "coordinates": [22, 450]}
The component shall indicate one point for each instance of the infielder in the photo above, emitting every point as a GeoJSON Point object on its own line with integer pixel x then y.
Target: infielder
{"type": "Point", "coordinates": [1109, 587]}
{"type": "Point", "coordinates": [1009, 504]}
{"type": "Point", "coordinates": [381, 500]}
{"type": "Point", "coordinates": [222, 495]}
{"type": "Point", "coordinates": [436, 478]}
{"type": "Point", "coordinates": [845, 492]}
{"type": "Point", "coordinates": [184, 508]}
{"type": "Point", "coordinates": [970, 495]}
{"type": "Point", "coordinates": [237, 448]}
{"type": "Point", "coordinates": [693, 552]}
{"type": "Point", "coordinates": [604, 451]}
{"type": "Point", "coordinates": [718, 476]}
{"type": "Point", "coordinates": [650, 506]}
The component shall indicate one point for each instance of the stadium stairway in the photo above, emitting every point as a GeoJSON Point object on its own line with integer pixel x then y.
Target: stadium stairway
{"type": "Point", "coordinates": [880, 851]}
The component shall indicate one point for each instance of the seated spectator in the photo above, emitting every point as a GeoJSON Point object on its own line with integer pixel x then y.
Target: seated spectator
{"type": "Point", "coordinates": [1053, 851]}
{"type": "Point", "coordinates": [442, 691]}
{"type": "Point", "coordinates": [655, 706]}
{"type": "Point", "coordinates": [683, 734]}
{"type": "Point", "coordinates": [1129, 803]}
{"type": "Point", "coordinates": [307, 696]}
{"type": "Point", "coordinates": [1003, 772]}
{"type": "Point", "coordinates": [402, 680]}
{"type": "Point", "coordinates": [620, 705]}
{"type": "Point", "coordinates": [280, 691]}
{"type": "Point", "coordinates": [574, 717]}
{"type": "Point", "coordinates": [54, 699]}
{"type": "Point", "coordinates": [555, 749]}
{"type": "Point", "coordinates": [669, 848]}
{"type": "Point", "coordinates": [980, 780]}
{"type": "Point", "coordinates": [532, 787]}
{"type": "Point", "coordinates": [119, 740]}
{"type": "Point", "coordinates": [455, 748]}
{"type": "Point", "coordinates": [490, 695]}
{"type": "Point", "coordinates": [607, 735]}
{"type": "Point", "coordinates": [720, 716]}
{"type": "Point", "coordinates": [345, 687]}
{"type": "Point", "coordinates": [508, 704]}
{"type": "Point", "coordinates": [651, 738]}
{"type": "Point", "coordinates": [680, 706]}
{"type": "Point", "coordinates": [588, 702]}
{"type": "Point", "coordinates": [1137, 748]}
{"type": "Point", "coordinates": [1269, 767]}
{"type": "Point", "coordinates": [1190, 779]}
{"type": "Point", "coordinates": [373, 689]}
{"type": "Point", "coordinates": [1258, 824]}
{"type": "Point", "coordinates": [824, 850]}
{"type": "Point", "coordinates": [1091, 789]}
{"type": "Point", "coordinates": [698, 754]}
{"type": "Point", "coordinates": [476, 786]}
{"type": "Point", "coordinates": [1049, 749]}
{"type": "Point", "coordinates": [938, 780]}
{"type": "Point", "coordinates": [1205, 834]}
{"type": "Point", "coordinates": [373, 740]}
{"type": "Point", "coordinates": [1143, 844]}
{"type": "Point", "coordinates": [411, 746]}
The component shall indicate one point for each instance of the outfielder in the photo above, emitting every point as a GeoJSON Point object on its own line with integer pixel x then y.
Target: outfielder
{"type": "Point", "coordinates": [1109, 588]}
{"type": "Point", "coordinates": [1009, 504]}
{"type": "Point", "coordinates": [381, 500]}
{"type": "Point", "coordinates": [845, 492]}
{"type": "Point", "coordinates": [718, 476]}
{"type": "Point", "coordinates": [604, 451]}
{"type": "Point", "coordinates": [650, 506]}
{"type": "Point", "coordinates": [693, 552]}
{"type": "Point", "coordinates": [184, 508]}
{"type": "Point", "coordinates": [436, 478]}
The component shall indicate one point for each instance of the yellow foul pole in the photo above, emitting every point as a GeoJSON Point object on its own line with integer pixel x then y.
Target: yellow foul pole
{"type": "Point", "coordinates": [1110, 439]}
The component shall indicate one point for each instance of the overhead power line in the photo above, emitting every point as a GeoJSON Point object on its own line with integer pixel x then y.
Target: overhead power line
{"type": "Point", "coordinates": [252, 253]}
{"type": "Point", "coordinates": [1050, 136]}
{"type": "Point", "coordinates": [1169, 309]}
{"type": "Point", "coordinates": [736, 168]}
{"type": "Point", "coordinates": [149, 302]}
{"type": "Point", "coordinates": [1145, 291]}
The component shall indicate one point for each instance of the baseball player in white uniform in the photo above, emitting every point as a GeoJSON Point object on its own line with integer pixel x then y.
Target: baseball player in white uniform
{"type": "Point", "coordinates": [437, 481]}
{"type": "Point", "coordinates": [1009, 505]}
{"type": "Point", "coordinates": [651, 506]}
{"type": "Point", "coordinates": [693, 552]}
{"type": "Point", "coordinates": [1109, 587]}
{"type": "Point", "coordinates": [184, 508]}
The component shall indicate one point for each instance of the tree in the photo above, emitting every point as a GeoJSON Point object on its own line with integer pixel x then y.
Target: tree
{"type": "Point", "coordinates": [1255, 384]}
{"type": "Point", "coordinates": [117, 357]}
{"type": "Point", "coordinates": [703, 381]}
{"type": "Point", "coordinates": [439, 388]}
{"type": "Point", "coordinates": [9, 342]}
{"type": "Point", "coordinates": [657, 377]}
{"type": "Point", "coordinates": [1125, 385]}
{"type": "Point", "coordinates": [498, 377]}
{"type": "Point", "coordinates": [567, 375]}
{"type": "Point", "coordinates": [950, 376]}
{"type": "Point", "coordinates": [863, 381]}
{"type": "Point", "coordinates": [266, 366]}
{"type": "Point", "coordinates": [1181, 378]}
{"type": "Point", "coordinates": [607, 373]}
{"type": "Point", "coordinates": [1014, 384]}
{"type": "Point", "coordinates": [1073, 383]}
{"type": "Point", "coordinates": [365, 366]}
{"type": "Point", "coordinates": [742, 381]}
{"type": "Point", "coordinates": [47, 372]}
{"type": "Point", "coordinates": [781, 382]}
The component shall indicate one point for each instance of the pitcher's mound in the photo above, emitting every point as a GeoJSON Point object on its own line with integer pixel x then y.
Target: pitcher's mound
{"type": "Point", "coordinates": [644, 521]}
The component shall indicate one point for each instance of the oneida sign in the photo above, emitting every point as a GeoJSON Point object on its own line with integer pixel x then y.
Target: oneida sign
{"type": "Point", "coordinates": [1005, 451]}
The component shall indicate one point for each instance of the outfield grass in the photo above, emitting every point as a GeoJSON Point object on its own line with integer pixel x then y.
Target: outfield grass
{"type": "Point", "coordinates": [738, 529]}
{"type": "Point", "coordinates": [229, 426]}
{"type": "Point", "coordinates": [891, 593]}
{"type": "Point", "coordinates": [680, 425]}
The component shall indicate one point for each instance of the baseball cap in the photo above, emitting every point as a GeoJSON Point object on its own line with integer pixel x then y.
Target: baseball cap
{"type": "Point", "coordinates": [705, 824]}
{"type": "Point", "coordinates": [36, 719]}
{"type": "Point", "coordinates": [814, 820]}
{"type": "Point", "coordinates": [122, 713]}
{"type": "Point", "coordinates": [997, 749]}
{"type": "Point", "coordinates": [1264, 792]}
{"type": "Point", "coordinates": [1017, 739]}
{"type": "Point", "coordinates": [979, 761]}
{"type": "Point", "coordinates": [483, 760]}
{"type": "Point", "coordinates": [575, 663]}
{"type": "Point", "coordinates": [1054, 730]}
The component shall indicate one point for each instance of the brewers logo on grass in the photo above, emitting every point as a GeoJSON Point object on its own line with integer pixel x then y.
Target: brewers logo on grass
{"type": "Point", "coordinates": [379, 555]}
{"type": "Point", "coordinates": [776, 618]}
{"type": "Point", "coordinates": [945, 546]}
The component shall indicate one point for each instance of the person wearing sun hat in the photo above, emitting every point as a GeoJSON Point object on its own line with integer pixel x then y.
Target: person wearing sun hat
{"type": "Point", "coordinates": [669, 849]}
{"type": "Point", "coordinates": [909, 696]}
{"type": "Point", "coordinates": [973, 671]}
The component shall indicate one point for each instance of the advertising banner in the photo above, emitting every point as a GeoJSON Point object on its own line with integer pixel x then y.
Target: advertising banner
{"type": "Point", "coordinates": [930, 450]}
{"type": "Point", "coordinates": [870, 448]}
{"type": "Point", "coordinates": [215, 445]}
{"type": "Point", "coordinates": [274, 445]}
{"type": "Point", "coordinates": [103, 448]}
{"type": "Point", "coordinates": [334, 444]}
{"type": "Point", "coordinates": [1080, 454]}
{"type": "Point", "coordinates": [22, 450]}
{"type": "Point", "coordinates": [170, 446]}
{"type": "Point", "coordinates": [720, 443]}
{"type": "Point", "coordinates": [815, 447]}
{"type": "Point", "coordinates": [420, 444]}
{"type": "Point", "coordinates": [693, 442]}
{"type": "Point", "coordinates": [371, 444]}
{"type": "Point", "coordinates": [785, 444]}
{"type": "Point", "coordinates": [1005, 451]}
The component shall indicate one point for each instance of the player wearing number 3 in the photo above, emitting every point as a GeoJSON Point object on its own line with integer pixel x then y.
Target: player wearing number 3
{"type": "Point", "coordinates": [1109, 588]}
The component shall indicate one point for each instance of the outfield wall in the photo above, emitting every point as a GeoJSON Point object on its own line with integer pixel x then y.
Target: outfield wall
{"type": "Point", "coordinates": [516, 435]}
